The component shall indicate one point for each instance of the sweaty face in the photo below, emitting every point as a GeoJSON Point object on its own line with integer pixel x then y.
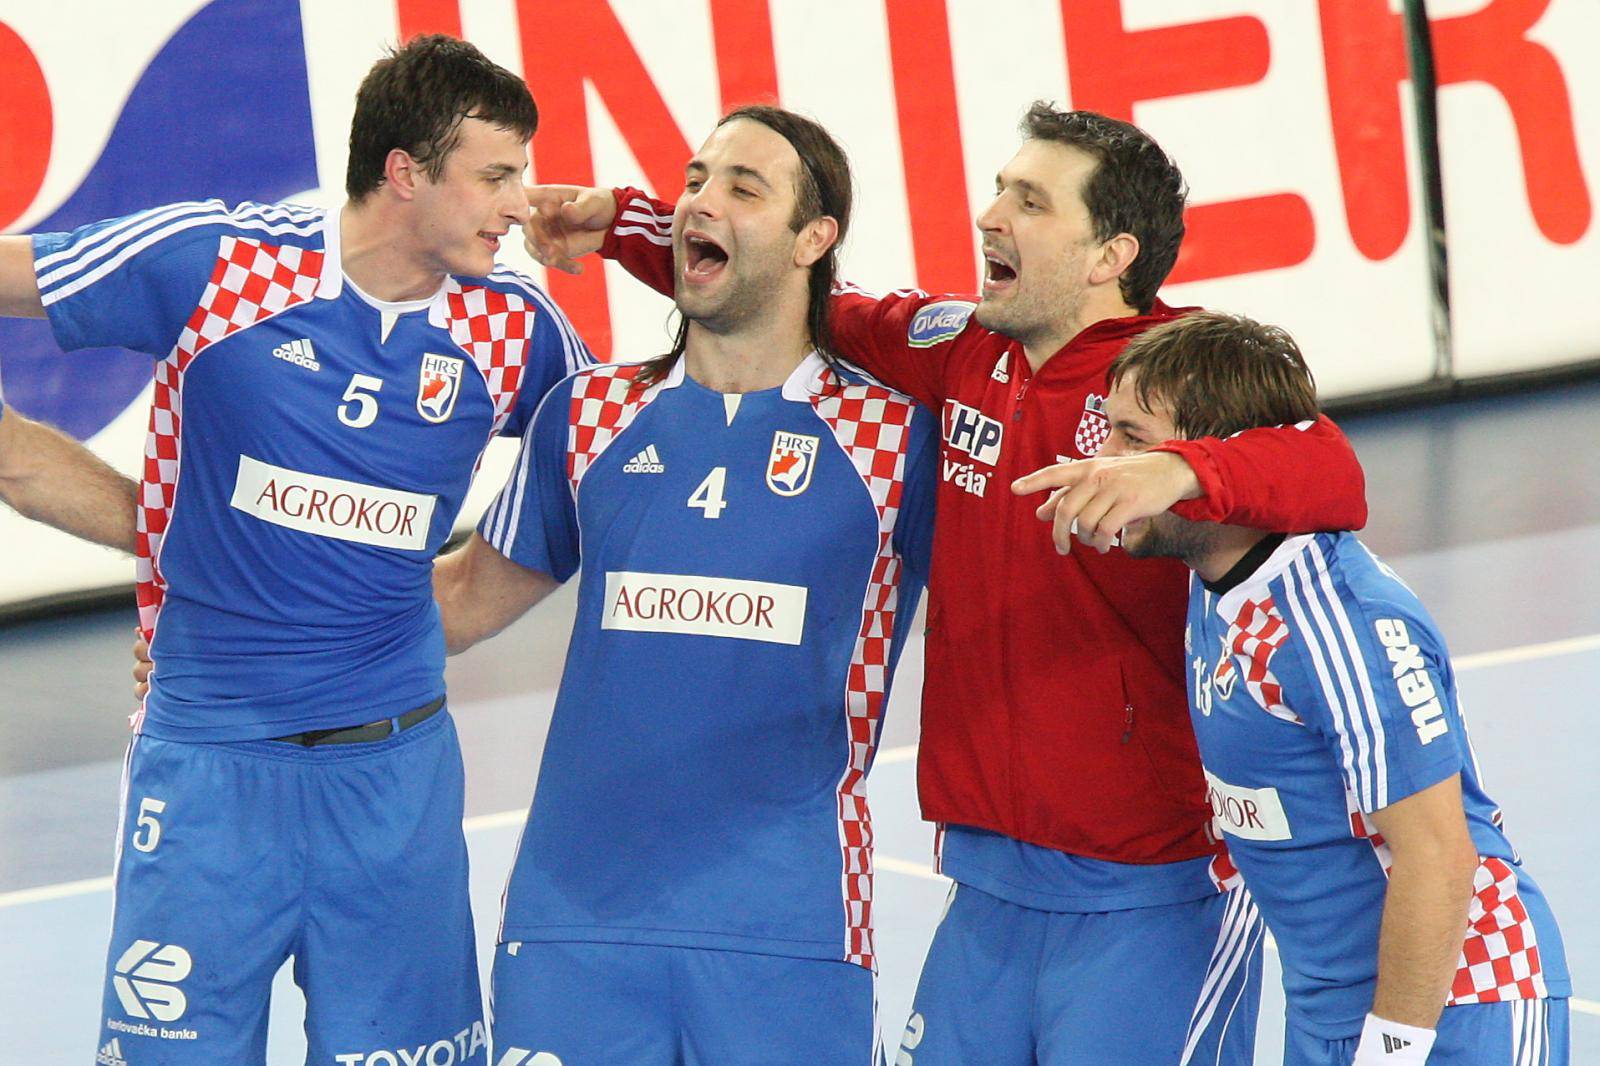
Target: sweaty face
{"type": "Point", "coordinates": [1037, 240]}
{"type": "Point", "coordinates": [732, 243]}
{"type": "Point", "coordinates": [476, 200]}
{"type": "Point", "coordinates": [1134, 430]}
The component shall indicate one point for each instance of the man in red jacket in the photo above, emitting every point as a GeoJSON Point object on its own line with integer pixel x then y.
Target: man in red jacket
{"type": "Point", "coordinates": [1088, 922]}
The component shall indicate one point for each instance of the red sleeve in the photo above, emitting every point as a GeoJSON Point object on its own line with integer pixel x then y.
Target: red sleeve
{"type": "Point", "coordinates": [1295, 479]}
{"type": "Point", "coordinates": [640, 238]}
{"type": "Point", "coordinates": [888, 336]}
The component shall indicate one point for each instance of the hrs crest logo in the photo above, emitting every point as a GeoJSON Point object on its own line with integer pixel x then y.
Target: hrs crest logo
{"type": "Point", "coordinates": [789, 466]}
{"type": "Point", "coordinates": [437, 386]}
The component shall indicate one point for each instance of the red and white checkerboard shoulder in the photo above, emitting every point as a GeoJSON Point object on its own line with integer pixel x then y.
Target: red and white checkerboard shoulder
{"type": "Point", "coordinates": [605, 401]}
{"type": "Point", "coordinates": [493, 327]}
{"type": "Point", "coordinates": [872, 425]}
{"type": "Point", "coordinates": [251, 281]}
{"type": "Point", "coordinates": [1254, 636]}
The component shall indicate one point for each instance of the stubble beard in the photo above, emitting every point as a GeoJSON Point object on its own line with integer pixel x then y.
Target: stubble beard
{"type": "Point", "coordinates": [1040, 316]}
{"type": "Point", "coordinates": [1167, 535]}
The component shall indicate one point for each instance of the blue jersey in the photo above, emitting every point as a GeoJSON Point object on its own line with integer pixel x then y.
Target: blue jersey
{"type": "Point", "coordinates": [309, 449]}
{"type": "Point", "coordinates": [749, 568]}
{"type": "Point", "coordinates": [1321, 693]}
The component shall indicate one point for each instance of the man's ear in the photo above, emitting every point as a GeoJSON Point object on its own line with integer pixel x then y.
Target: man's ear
{"type": "Point", "coordinates": [814, 240]}
{"type": "Point", "coordinates": [1116, 256]}
{"type": "Point", "coordinates": [402, 173]}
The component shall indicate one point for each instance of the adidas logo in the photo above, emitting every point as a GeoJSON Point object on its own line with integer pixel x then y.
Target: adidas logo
{"type": "Point", "coordinates": [1391, 1044]}
{"type": "Point", "coordinates": [111, 1054]}
{"type": "Point", "coordinates": [646, 462]}
{"type": "Point", "coordinates": [299, 352]}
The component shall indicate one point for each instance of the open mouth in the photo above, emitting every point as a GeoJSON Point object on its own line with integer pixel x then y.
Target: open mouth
{"type": "Point", "coordinates": [703, 257]}
{"type": "Point", "coordinates": [491, 239]}
{"type": "Point", "coordinates": [997, 272]}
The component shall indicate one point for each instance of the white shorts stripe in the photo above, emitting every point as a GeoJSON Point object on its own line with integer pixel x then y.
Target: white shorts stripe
{"type": "Point", "coordinates": [1237, 940]}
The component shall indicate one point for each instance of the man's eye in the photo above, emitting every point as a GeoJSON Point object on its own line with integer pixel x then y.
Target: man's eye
{"type": "Point", "coordinates": [743, 192]}
{"type": "Point", "coordinates": [693, 184]}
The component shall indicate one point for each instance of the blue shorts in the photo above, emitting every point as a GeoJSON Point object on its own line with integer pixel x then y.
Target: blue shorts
{"type": "Point", "coordinates": [349, 857]}
{"type": "Point", "coordinates": [571, 1004]}
{"type": "Point", "coordinates": [1007, 985]}
{"type": "Point", "coordinates": [1530, 1032]}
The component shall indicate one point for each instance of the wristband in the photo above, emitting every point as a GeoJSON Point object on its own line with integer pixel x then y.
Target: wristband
{"type": "Point", "coordinates": [1386, 1043]}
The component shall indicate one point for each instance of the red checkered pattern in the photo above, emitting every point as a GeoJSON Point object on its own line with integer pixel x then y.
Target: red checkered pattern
{"type": "Point", "coordinates": [1254, 635]}
{"type": "Point", "coordinates": [1361, 828]}
{"type": "Point", "coordinates": [250, 283]}
{"type": "Point", "coordinates": [604, 403]}
{"type": "Point", "coordinates": [1500, 957]}
{"type": "Point", "coordinates": [493, 328]}
{"type": "Point", "coordinates": [872, 425]}
{"type": "Point", "coordinates": [1093, 431]}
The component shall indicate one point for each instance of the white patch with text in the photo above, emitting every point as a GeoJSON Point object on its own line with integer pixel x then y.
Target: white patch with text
{"type": "Point", "coordinates": [1247, 813]}
{"type": "Point", "coordinates": [967, 429]}
{"type": "Point", "coordinates": [707, 606]}
{"type": "Point", "coordinates": [331, 507]}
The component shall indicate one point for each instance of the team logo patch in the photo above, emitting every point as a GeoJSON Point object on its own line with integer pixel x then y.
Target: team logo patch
{"type": "Point", "coordinates": [1093, 428]}
{"type": "Point", "coordinates": [938, 322]}
{"type": "Point", "coordinates": [146, 980]}
{"type": "Point", "coordinates": [1225, 675]}
{"type": "Point", "coordinates": [789, 467]}
{"type": "Point", "coordinates": [438, 385]}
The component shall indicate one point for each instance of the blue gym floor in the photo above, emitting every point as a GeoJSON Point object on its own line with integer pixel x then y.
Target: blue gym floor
{"type": "Point", "coordinates": [1490, 509]}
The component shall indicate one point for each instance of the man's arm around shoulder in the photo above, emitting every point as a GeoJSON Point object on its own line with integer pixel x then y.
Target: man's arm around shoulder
{"type": "Point", "coordinates": [51, 478]}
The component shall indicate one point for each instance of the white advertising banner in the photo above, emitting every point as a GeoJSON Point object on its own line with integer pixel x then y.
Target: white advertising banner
{"type": "Point", "coordinates": [1291, 120]}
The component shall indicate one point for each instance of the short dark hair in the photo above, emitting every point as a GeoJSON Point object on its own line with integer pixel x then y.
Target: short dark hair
{"type": "Point", "coordinates": [415, 97]}
{"type": "Point", "coordinates": [1219, 374]}
{"type": "Point", "coordinates": [825, 190]}
{"type": "Point", "coordinates": [1135, 188]}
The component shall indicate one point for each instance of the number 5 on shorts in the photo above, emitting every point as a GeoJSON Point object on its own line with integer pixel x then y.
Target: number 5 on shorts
{"type": "Point", "coordinates": [148, 832]}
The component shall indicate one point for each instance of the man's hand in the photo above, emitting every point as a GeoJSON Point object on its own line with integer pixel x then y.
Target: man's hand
{"type": "Point", "coordinates": [1096, 498]}
{"type": "Point", "coordinates": [567, 221]}
{"type": "Point", "coordinates": [141, 665]}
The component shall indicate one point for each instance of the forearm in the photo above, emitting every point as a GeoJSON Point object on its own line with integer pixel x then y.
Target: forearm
{"type": "Point", "coordinates": [19, 288]}
{"type": "Point", "coordinates": [1419, 945]}
{"type": "Point", "coordinates": [51, 478]}
{"type": "Point", "coordinates": [480, 592]}
{"type": "Point", "coordinates": [1291, 479]}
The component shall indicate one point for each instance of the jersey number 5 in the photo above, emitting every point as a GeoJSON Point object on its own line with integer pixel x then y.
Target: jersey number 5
{"type": "Point", "coordinates": [708, 496]}
{"type": "Point", "coordinates": [360, 408]}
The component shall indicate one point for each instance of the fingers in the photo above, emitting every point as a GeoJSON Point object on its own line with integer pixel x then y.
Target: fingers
{"type": "Point", "coordinates": [1061, 475]}
{"type": "Point", "coordinates": [592, 210]}
{"type": "Point", "coordinates": [141, 664]}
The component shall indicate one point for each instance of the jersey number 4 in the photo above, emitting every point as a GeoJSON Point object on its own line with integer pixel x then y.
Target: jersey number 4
{"type": "Point", "coordinates": [707, 497]}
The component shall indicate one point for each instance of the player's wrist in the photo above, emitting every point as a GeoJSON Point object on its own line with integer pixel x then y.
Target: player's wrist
{"type": "Point", "coordinates": [1386, 1043]}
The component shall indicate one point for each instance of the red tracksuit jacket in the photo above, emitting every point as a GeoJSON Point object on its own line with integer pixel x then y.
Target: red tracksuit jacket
{"type": "Point", "coordinates": [1055, 708]}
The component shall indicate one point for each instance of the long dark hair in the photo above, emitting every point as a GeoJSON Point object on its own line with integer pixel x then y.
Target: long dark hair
{"type": "Point", "coordinates": [825, 190]}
